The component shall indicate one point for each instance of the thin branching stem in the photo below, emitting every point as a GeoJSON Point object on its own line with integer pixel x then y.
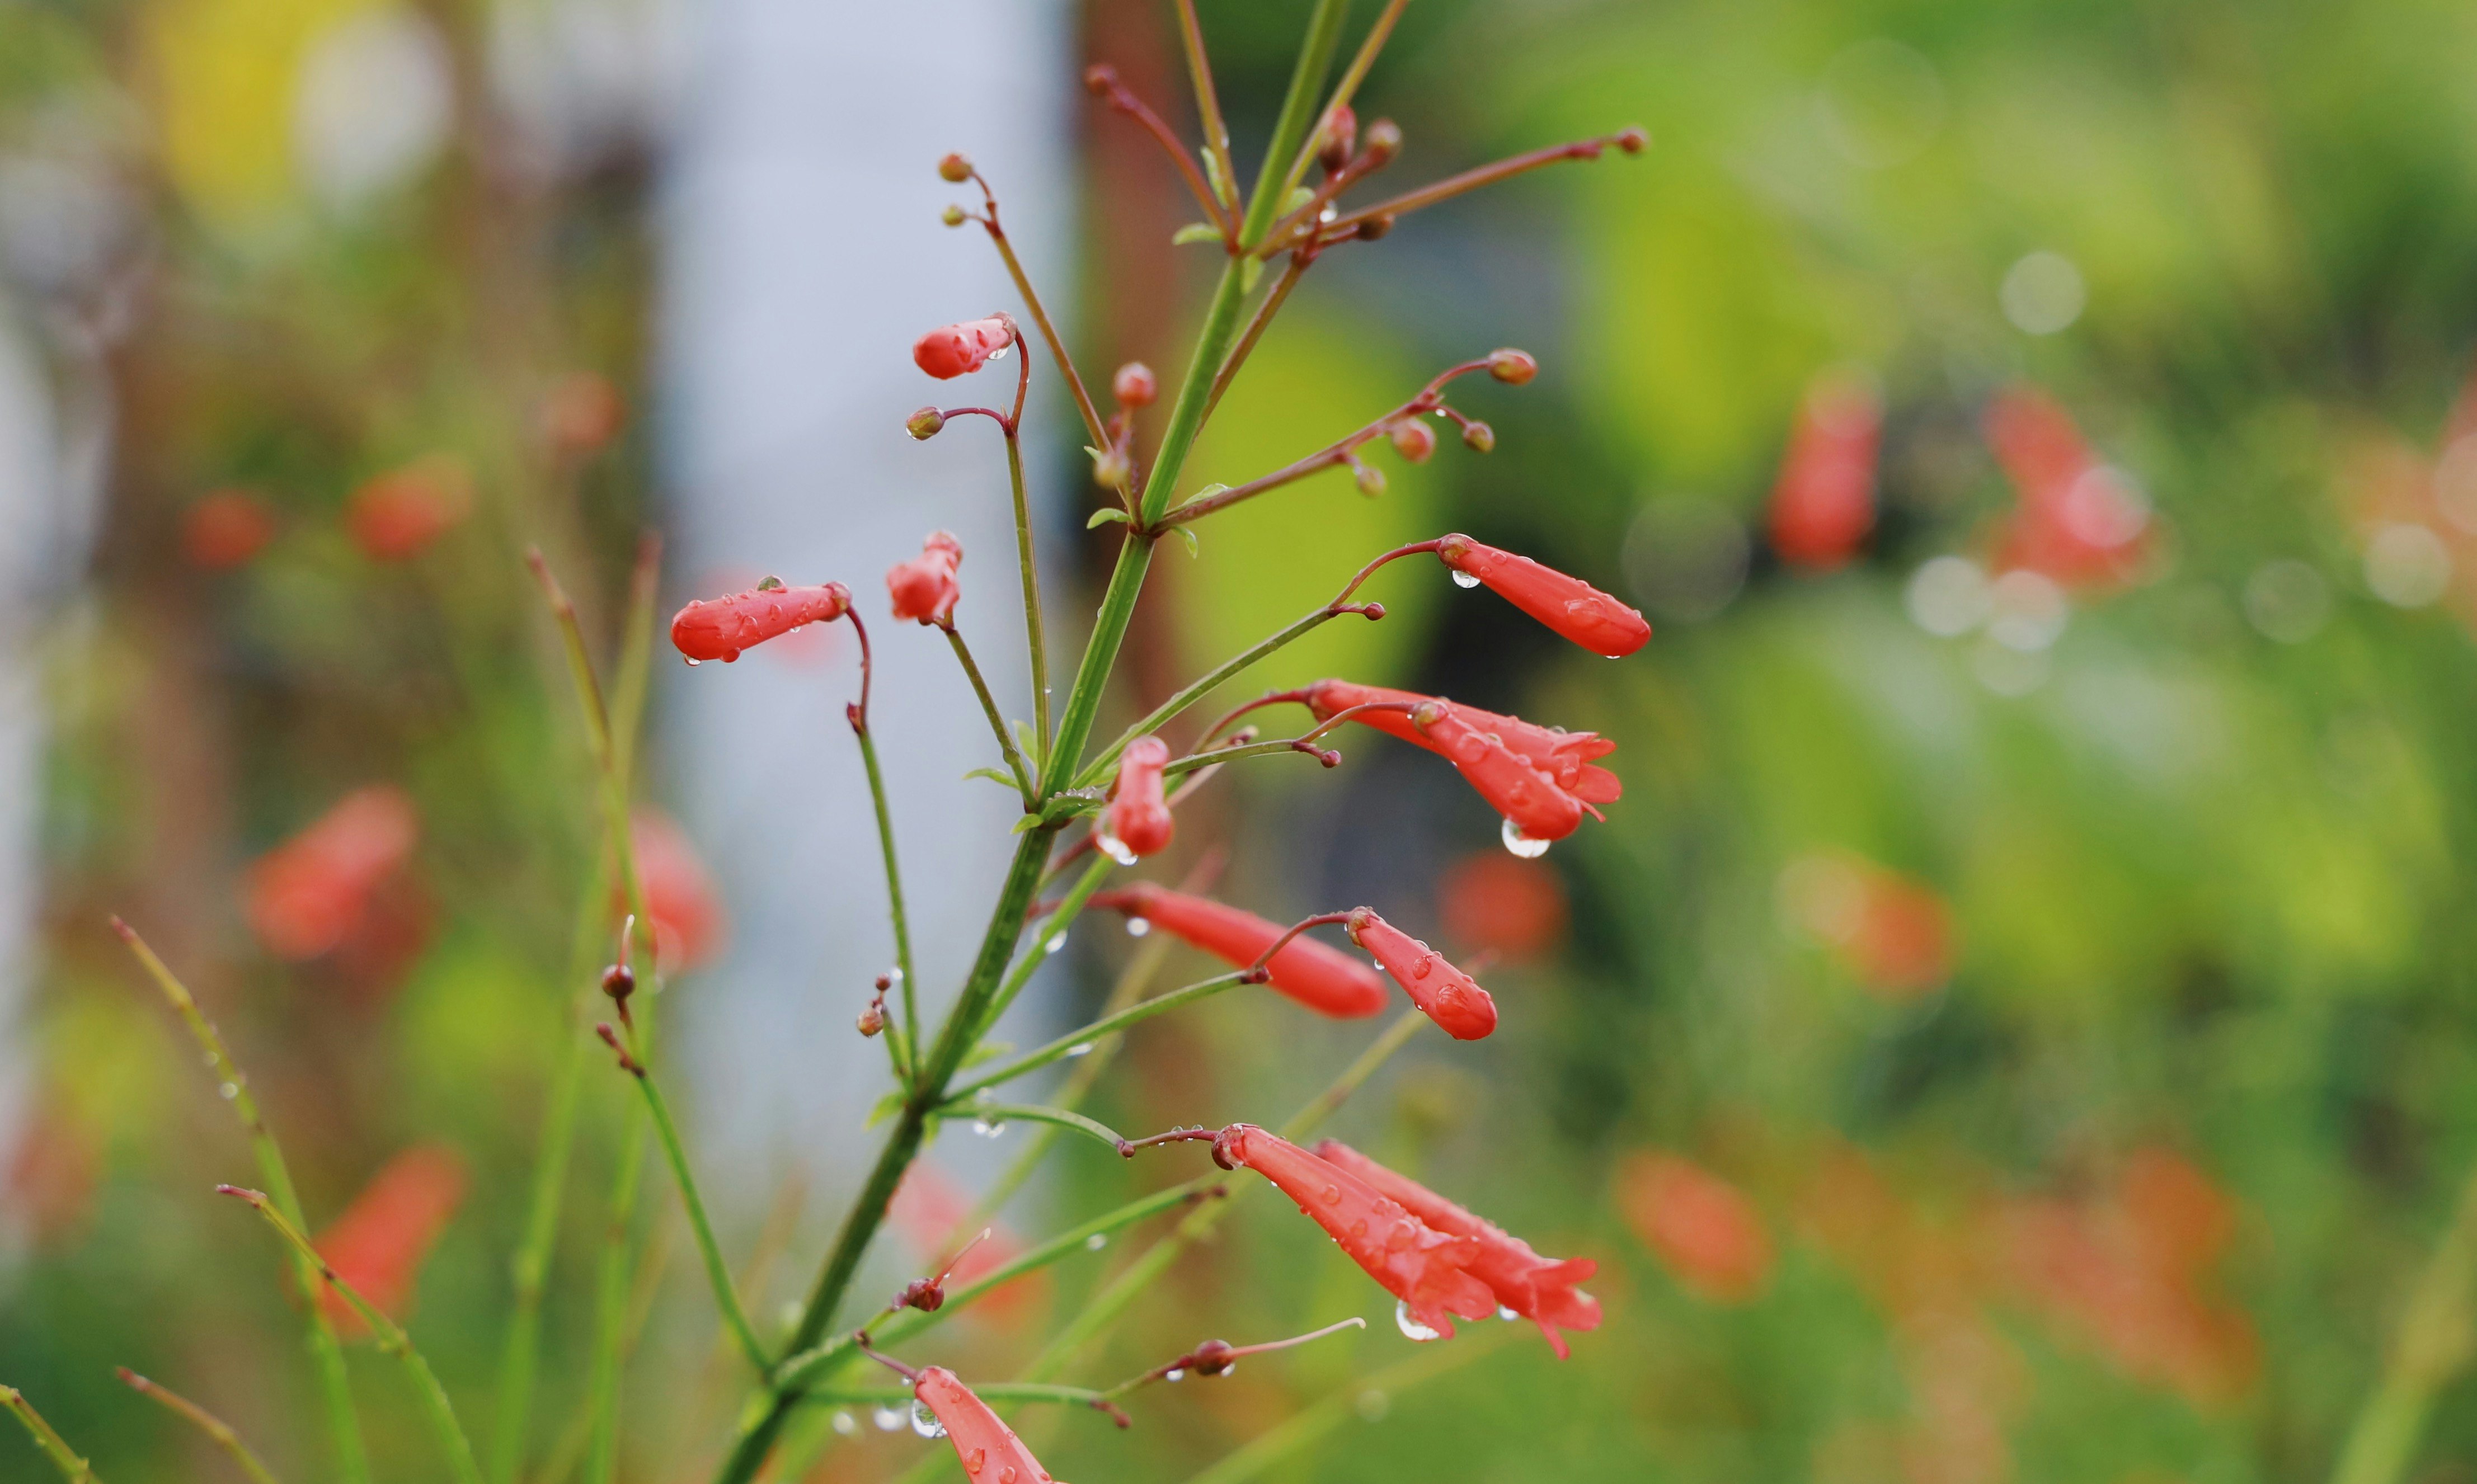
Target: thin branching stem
{"type": "Point", "coordinates": [1223, 1354]}
{"type": "Point", "coordinates": [1347, 225]}
{"type": "Point", "coordinates": [1208, 107]}
{"type": "Point", "coordinates": [998, 238]}
{"type": "Point", "coordinates": [1103, 81]}
{"type": "Point", "coordinates": [53, 1446]}
{"type": "Point", "coordinates": [1265, 309]}
{"type": "Point", "coordinates": [1052, 936]}
{"type": "Point", "coordinates": [1306, 1426]}
{"type": "Point", "coordinates": [717, 1271]}
{"type": "Point", "coordinates": [1065, 1046]}
{"type": "Point", "coordinates": [901, 1043]}
{"type": "Point", "coordinates": [1304, 742]}
{"type": "Point", "coordinates": [219, 1431]}
{"type": "Point", "coordinates": [1333, 456]}
{"type": "Point", "coordinates": [995, 1114]}
{"type": "Point", "coordinates": [1015, 759]}
{"type": "Point", "coordinates": [1285, 156]}
{"type": "Point", "coordinates": [1033, 626]}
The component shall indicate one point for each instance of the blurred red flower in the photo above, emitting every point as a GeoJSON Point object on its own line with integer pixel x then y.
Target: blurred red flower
{"type": "Point", "coordinates": [225, 528]}
{"type": "Point", "coordinates": [313, 892]}
{"type": "Point", "coordinates": [2076, 521]}
{"type": "Point", "coordinates": [1892, 932]}
{"type": "Point", "coordinates": [930, 1210]}
{"type": "Point", "coordinates": [581, 413]}
{"type": "Point", "coordinates": [689, 924]}
{"type": "Point", "coordinates": [396, 515]}
{"type": "Point", "coordinates": [1701, 1227]}
{"type": "Point", "coordinates": [53, 1170]}
{"type": "Point", "coordinates": [1825, 504]}
{"type": "Point", "coordinates": [379, 1244]}
{"type": "Point", "coordinates": [1496, 903]}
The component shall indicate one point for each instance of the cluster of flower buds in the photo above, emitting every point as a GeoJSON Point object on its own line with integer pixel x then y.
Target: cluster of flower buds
{"type": "Point", "coordinates": [725, 627]}
{"type": "Point", "coordinates": [872, 1016]}
{"type": "Point", "coordinates": [1541, 780]}
{"type": "Point", "coordinates": [950, 350]}
{"type": "Point", "coordinates": [924, 588]}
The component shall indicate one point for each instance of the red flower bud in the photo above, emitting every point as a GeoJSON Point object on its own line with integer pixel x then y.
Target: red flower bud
{"type": "Point", "coordinates": [1383, 142]}
{"type": "Point", "coordinates": [925, 424]}
{"type": "Point", "coordinates": [1567, 758]}
{"type": "Point", "coordinates": [1426, 1269]}
{"type": "Point", "coordinates": [378, 1245]}
{"type": "Point", "coordinates": [954, 170]}
{"type": "Point", "coordinates": [1539, 1289]}
{"type": "Point", "coordinates": [1573, 607]}
{"type": "Point", "coordinates": [1110, 469]}
{"type": "Point", "coordinates": [1478, 437]}
{"type": "Point", "coordinates": [225, 529]}
{"type": "Point", "coordinates": [1825, 504]}
{"type": "Point", "coordinates": [991, 1451]}
{"type": "Point", "coordinates": [1633, 139]}
{"type": "Point", "coordinates": [952, 350]}
{"type": "Point", "coordinates": [315, 891]}
{"type": "Point", "coordinates": [1529, 799]}
{"type": "Point", "coordinates": [1139, 819]}
{"type": "Point", "coordinates": [1376, 227]}
{"type": "Point", "coordinates": [1371, 479]}
{"type": "Point", "coordinates": [1513, 367]}
{"type": "Point", "coordinates": [397, 515]}
{"type": "Point", "coordinates": [1316, 975]}
{"type": "Point", "coordinates": [1135, 386]}
{"type": "Point", "coordinates": [721, 628]}
{"type": "Point", "coordinates": [1338, 139]}
{"type": "Point", "coordinates": [1413, 439]}
{"type": "Point", "coordinates": [924, 587]}
{"type": "Point", "coordinates": [1444, 993]}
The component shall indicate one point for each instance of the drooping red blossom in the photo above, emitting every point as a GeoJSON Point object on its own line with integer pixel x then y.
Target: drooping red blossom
{"type": "Point", "coordinates": [1139, 817]}
{"type": "Point", "coordinates": [1428, 1269]}
{"type": "Point", "coordinates": [724, 628]}
{"type": "Point", "coordinates": [1444, 993]}
{"type": "Point", "coordinates": [2076, 522]}
{"type": "Point", "coordinates": [1567, 604]}
{"type": "Point", "coordinates": [690, 925]}
{"type": "Point", "coordinates": [989, 1449]}
{"type": "Point", "coordinates": [952, 350]}
{"type": "Point", "coordinates": [396, 516]}
{"type": "Point", "coordinates": [1825, 504]}
{"type": "Point", "coordinates": [1316, 975]}
{"type": "Point", "coordinates": [380, 1242]}
{"type": "Point", "coordinates": [314, 891]}
{"type": "Point", "coordinates": [924, 588]}
{"type": "Point", "coordinates": [1511, 786]}
{"type": "Point", "coordinates": [1701, 1227]}
{"type": "Point", "coordinates": [1566, 757]}
{"type": "Point", "coordinates": [225, 528]}
{"type": "Point", "coordinates": [929, 1207]}
{"type": "Point", "coordinates": [1492, 902]}
{"type": "Point", "coordinates": [1539, 1289]}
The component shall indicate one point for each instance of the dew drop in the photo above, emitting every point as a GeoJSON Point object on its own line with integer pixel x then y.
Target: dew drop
{"type": "Point", "coordinates": [1227, 1367]}
{"type": "Point", "coordinates": [1113, 847]}
{"type": "Point", "coordinates": [975, 1460]}
{"type": "Point", "coordinates": [228, 1091]}
{"type": "Point", "coordinates": [1503, 1312]}
{"type": "Point", "coordinates": [1425, 965]}
{"type": "Point", "coordinates": [846, 1424]}
{"type": "Point", "coordinates": [888, 1418]}
{"type": "Point", "coordinates": [1175, 1375]}
{"type": "Point", "coordinates": [1333, 1195]}
{"type": "Point", "coordinates": [210, 1057]}
{"type": "Point", "coordinates": [1358, 1229]}
{"type": "Point", "coordinates": [988, 1127]}
{"type": "Point", "coordinates": [1137, 926]}
{"type": "Point", "coordinates": [1006, 1476]}
{"type": "Point", "coordinates": [693, 663]}
{"type": "Point", "coordinates": [1055, 942]}
{"type": "Point", "coordinates": [1096, 1241]}
{"type": "Point", "coordinates": [1410, 1327]}
{"type": "Point", "coordinates": [1080, 1048]}
{"type": "Point", "coordinates": [925, 1421]}
{"type": "Point", "coordinates": [1464, 578]}
{"type": "Point", "coordinates": [1521, 844]}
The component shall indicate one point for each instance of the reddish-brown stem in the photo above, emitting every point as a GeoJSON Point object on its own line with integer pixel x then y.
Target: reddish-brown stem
{"type": "Point", "coordinates": [1341, 600]}
{"type": "Point", "coordinates": [1343, 227]}
{"type": "Point", "coordinates": [1299, 227]}
{"type": "Point", "coordinates": [611, 1038]}
{"type": "Point", "coordinates": [1208, 100]}
{"type": "Point", "coordinates": [1023, 380]}
{"type": "Point", "coordinates": [1198, 1134]}
{"type": "Point", "coordinates": [1255, 330]}
{"type": "Point", "coordinates": [1215, 1356]}
{"type": "Point", "coordinates": [1039, 315]}
{"type": "Point", "coordinates": [857, 714]}
{"type": "Point", "coordinates": [1429, 399]}
{"type": "Point", "coordinates": [859, 1341]}
{"type": "Point", "coordinates": [1257, 973]}
{"type": "Point", "coordinates": [1102, 80]}
{"type": "Point", "coordinates": [1206, 737]}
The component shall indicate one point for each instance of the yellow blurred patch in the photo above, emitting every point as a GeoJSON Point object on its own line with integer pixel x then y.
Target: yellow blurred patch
{"type": "Point", "coordinates": [225, 75]}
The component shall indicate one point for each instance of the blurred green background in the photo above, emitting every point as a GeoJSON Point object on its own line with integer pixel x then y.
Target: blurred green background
{"type": "Point", "coordinates": [2017, 1024]}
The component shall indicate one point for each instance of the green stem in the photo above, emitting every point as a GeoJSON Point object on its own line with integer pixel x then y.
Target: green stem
{"type": "Point", "coordinates": [219, 1431]}
{"type": "Point", "coordinates": [390, 1337]}
{"type": "Point", "coordinates": [1208, 105]}
{"type": "Point", "coordinates": [717, 1272]}
{"type": "Point", "coordinates": [334, 1385]}
{"type": "Point", "coordinates": [2431, 1347]}
{"type": "Point", "coordinates": [65, 1458]}
{"type": "Point", "coordinates": [1059, 922]}
{"type": "Point", "coordinates": [1030, 565]}
{"type": "Point", "coordinates": [909, 1038]}
{"type": "Point", "coordinates": [993, 1391]}
{"type": "Point", "coordinates": [1107, 1025]}
{"type": "Point", "coordinates": [1305, 1428]}
{"type": "Point", "coordinates": [610, 1307]}
{"type": "Point", "coordinates": [990, 708]}
{"type": "Point", "coordinates": [998, 1114]}
{"type": "Point", "coordinates": [1196, 690]}
{"type": "Point", "coordinates": [1283, 157]}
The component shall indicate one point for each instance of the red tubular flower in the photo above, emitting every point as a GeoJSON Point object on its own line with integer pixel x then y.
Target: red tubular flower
{"type": "Point", "coordinates": [1139, 819]}
{"type": "Point", "coordinates": [1528, 798]}
{"type": "Point", "coordinates": [1444, 993]}
{"type": "Point", "coordinates": [1316, 975]}
{"type": "Point", "coordinates": [722, 628]}
{"type": "Point", "coordinates": [1571, 607]}
{"type": "Point", "coordinates": [991, 1451]}
{"type": "Point", "coordinates": [1539, 1289]}
{"type": "Point", "coordinates": [1825, 504]}
{"type": "Point", "coordinates": [397, 515]}
{"type": "Point", "coordinates": [378, 1245]}
{"type": "Point", "coordinates": [307, 895]}
{"type": "Point", "coordinates": [924, 587]}
{"type": "Point", "coordinates": [225, 529]}
{"type": "Point", "coordinates": [952, 350]}
{"type": "Point", "coordinates": [688, 924]}
{"type": "Point", "coordinates": [1566, 757]}
{"type": "Point", "coordinates": [1426, 1269]}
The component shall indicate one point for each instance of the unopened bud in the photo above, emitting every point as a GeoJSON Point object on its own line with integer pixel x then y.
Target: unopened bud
{"type": "Point", "coordinates": [1478, 437]}
{"type": "Point", "coordinates": [1338, 139]}
{"type": "Point", "coordinates": [872, 1020]}
{"type": "Point", "coordinates": [619, 981]}
{"type": "Point", "coordinates": [1512, 367]}
{"type": "Point", "coordinates": [1212, 1357]}
{"type": "Point", "coordinates": [1383, 142]}
{"type": "Point", "coordinates": [1109, 470]}
{"type": "Point", "coordinates": [1371, 479]}
{"type": "Point", "coordinates": [1632, 140]}
{"type": "Point", "coordinates": [1099, 78]}
{"type": "Point", "coordinates": [1413, 439]}
{"type": "Point", "coordinates": [1135, 386]}
{"type": "Point", "coordinates": [955, 169]}
{"type": "Point", "coordinates": [925, 424]}
{"type": "Point", "coordinates": [1375, 227]}
{"type": "Point", "coordinates": [953, 216]}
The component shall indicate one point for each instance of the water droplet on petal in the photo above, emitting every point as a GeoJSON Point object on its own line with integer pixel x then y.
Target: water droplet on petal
{"type": "Point", "coordinates": [1503, 1312]}
{"type": "Point", "coordinates": [1175, 1375]}
{"type": "Point", "coordinates": [1410, 1327]}
{"type": "Point", "coordinates": [693, 663]}
{"type": "Point", "coordinates": [1111, 846]}
{"type": "Point", "coordinates": [1464, 578]}
{"type": "Point", "coordinates": [1096, 1241]}
{"type": "Point", "coordinates": [887, 1418]}
{"type": "Point", "coordinates": [925, 1421]}
{"type": "Point", "coordinates": [1333, 1195]}
{"type": "Point", "coordinates": [1137, 926]}
{"type": "Point", "coordinates": [1080, 1048]}
{"type": "Point", "coordinates": [975, 1460]}
{"type": "Point", "coordinates": [846, 1424]}
{"type": "Point", "coordinates": [1006, 1476]}
{"type": "Point", "coordinates": [1521, 844]}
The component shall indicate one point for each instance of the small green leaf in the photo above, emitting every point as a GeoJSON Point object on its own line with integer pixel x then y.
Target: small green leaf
{"type": "Point", "coordinates": [1195, 231]}
{"type": "Point", "coordinates": [987, 1051]}
{"type": "Point", "coordinates": [1025, 738]}
{"type": "Point", "coordinates": [1208, 492]}
{"type": "Point", "coordinates": [1213, 176]}
{"type": "Point", "coordinates": [1023, 824]}
{"type": "Point", "coordinates": [1188, 533]}
{"type": "Point", "coordinates": [1250, 269]}
{"type": "Point", "coordinates": [1106, 515]}
{"type": "Point", "coordinates": [1298, 197]}
{"type": "Point", "coordinates": [994, 774]}
{"type": "Point", "coordinates": [887, 1107]}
